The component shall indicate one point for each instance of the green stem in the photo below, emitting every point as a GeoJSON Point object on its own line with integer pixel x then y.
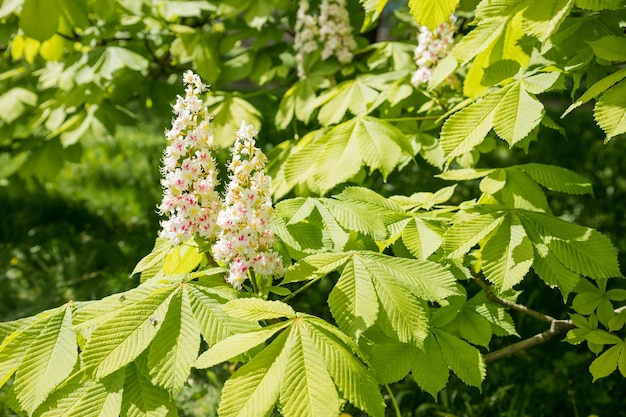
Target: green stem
{"type": "Point", "coordinates": [299, 290]}
{"type": "Point", "coordinates": [393, 401]}
{"type": "Point", "coordinates": [255, 286]}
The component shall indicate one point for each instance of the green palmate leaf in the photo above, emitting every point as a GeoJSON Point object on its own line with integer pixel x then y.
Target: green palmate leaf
{"type": "Point", "coordinates": [519, 191]}
{"type": "Point", "coordinates": [237, 344]}
{"type": "Point", "coordinates": [307, 389]}
{"type": "Point", "coordinates": [323, 231]}
{"type": "Point", "coordinates": [47, 360]}
{"type": "Point", "coordinates": [464, 359]}
{"type": "Point", "coordinates": [391, 360]}
{"type": "Point", "coordinates": [298, 168]}
{"type": "Point", "coordinates": [465, 130]}
{"type": "Point", "coordinates": [354, 217]}
{"type": "Point", "coordinates": [353, 95]}
{"type": "Point", "coordinates": [558, 179]}
{"type": "Point", "coordinates": [153, 260]}
{"type": "Point", "coordinates": [597, 89]}
{"type": "Point", "coordinates": [610, 110]}
{"type": "Point", "coordinates": [465, 233]}
{"type": "Point", "coordinates": [354, 381]}
{"type": "Point", "coordinates": [299, 101]}
{"type": "Point", "coordinates": [255, 387]}
{"type": "Point", "coordinates": [182, 259]}
{"type": "Point", "coordinates": [581, 249]}
{"type": "Point", "coordinates": [508, 254]}
{"type": "Point", "coordinates": [126, 334]}
{"type": "Point", "coordinates": [256, 309]}
{"type": "Point", "coordinates": [478, 40]}
{"type": "Point", "coordinates": [79, 396]}
{"type": "Point", "coordinates": [365, 290]}
{"type": "Point", "coordinates": [143, 399]}
{"type": "Point", "coordinates": [517, 114]}
{"type": "Point", "coordinates": [315, 266]}
{"type": "Point", "coordinates": [176, 345]}
{"type": "Point", "coordinates": [353, 300]}
{"type": "Point", "coordinates": [207, 306]}
{"type": "Point", "coordinates": [489, 8]}
{"type": "Point", "coordinates": [230, 111]}
{"type": "Point", "coordinates": [430, 369]}
{"type": "Point", "coordinates": [373, 10]}
{"type": "Point", "coordinates": [472, 327]}
{"type": "Point", "coordinates": [554, 273]}
{"type": "Point", "coordinates": [39, 18]}
{"type": "Point", "coordinates": [115, 58]}
{"type": "Point", "coordinates": [431, 13]}
{"type": "Point", "coordinates": [538, 83]}
{"type": "Point", "coordinates": [599, 4]}
{"type": "Point", "coordinates": [306, 368]}
{"type": "Point", "coordinates": [543, 17]}
{"type": "Point", "coordinates": [421, 238]}
{"type": "Point", "coordinates": [611, 48]}
{"type": "Point", "coordinates": [15, 102]}
{"type": "Point", "coordinates": [402, 315]}
{"type": "Point", "coordinates": [605, 364]}
{"type": "Point", "coordinates": [361, 140]}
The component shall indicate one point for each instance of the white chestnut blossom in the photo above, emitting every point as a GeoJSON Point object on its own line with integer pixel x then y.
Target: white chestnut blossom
{"type": "Point", "coordinates": [246, 238]}
{"type": "Point", "coordinates": [431, 47]}
{"type": "Point", "coordinates": [330, 31]}
{"type": "Point", "coordinates": [190, 200]}
{"type": "Point", "coordinates": [239, 227]}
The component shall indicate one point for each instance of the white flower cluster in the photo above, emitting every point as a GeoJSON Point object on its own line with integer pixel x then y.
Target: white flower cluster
{"type": "Point", "coordinates": [190, 200]}
{"type": "Point", "coordinates": [246, 237]}
{"type": "Point", "coordinates": [240, 225]}
{"type": "Point", "coordinates": [431, 47]}
{"type": "Point", "coordinates": [330, 29]}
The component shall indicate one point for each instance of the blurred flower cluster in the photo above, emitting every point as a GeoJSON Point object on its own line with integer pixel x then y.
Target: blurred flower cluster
{"type": "Point", "coordinates": [330, 31]}
{"type": "Point", "coordinates": [431, 47]}
{"type": "Point", "coordinates": [240, 224]}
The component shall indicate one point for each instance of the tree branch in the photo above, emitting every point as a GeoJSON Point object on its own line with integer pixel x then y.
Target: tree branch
{"type": "Point", "coordinates": [557, 327]}
{"type": "Point", "coordinates": [510, 304]}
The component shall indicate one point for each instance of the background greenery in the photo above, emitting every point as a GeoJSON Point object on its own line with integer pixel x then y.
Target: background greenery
{"type": "Point", "coordinates": [76, 235]}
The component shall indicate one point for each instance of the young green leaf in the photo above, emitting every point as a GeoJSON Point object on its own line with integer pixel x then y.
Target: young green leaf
{"type": "Point", "coordinates": [543, 17]}
{"type": "Point", "coordinates": [605, 364]}
{"type": "Point", "coordinates": [307, 388]}
{"type": "Point", "coordinates": [48, 360]}
{"type": "Point", "coordinates": [256, 309]}
{"type": "Point", "coordinates": [175, 347]}
{"type": "Point", "coordinates": [79, 396]}
{"type": "Point", "coordinates": [143, 399]}
{"type": "Point", "coordinates": [466, 233]}
{"type": "Point", "coordinates": [508, 254]}
{"type": "Point", "coordinates": [255, 387]}
{"type": "Point", "coordinates": [596, 89]}
{"type": "Point", "coordinates": [431, 13]}
{"type": "Point", "coordinates": [517, 114]}
{"type": "Point", "coordinates": [237, 344]}
{"type": "Point", "coordinates": [207, 307]}
{"type": "Point", "coordinates": [126, 334]}
{"type": "Point", "coordinates": [430, 369]}
{"type": "Point", "coordinates": [464, 359]}
{"type": "Point", "coordinates": [610, 110]}
{"type": "Point", "coordinates": [557, 178]}
{"type": "Point", "coordinates": [466, 129]}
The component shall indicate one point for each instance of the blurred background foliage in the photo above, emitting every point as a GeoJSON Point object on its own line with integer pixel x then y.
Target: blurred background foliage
{"type": "Point", "coordinates": [80, 147]}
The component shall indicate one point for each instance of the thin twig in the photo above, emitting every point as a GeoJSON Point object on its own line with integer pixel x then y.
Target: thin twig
{"type": "Point", "coordinates": [510, 304]}
{"type": "Point", "coordinates": [557, 327]}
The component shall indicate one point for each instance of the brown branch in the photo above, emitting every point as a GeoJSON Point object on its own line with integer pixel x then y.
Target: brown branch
{"type": "Point", "coordinates": [510, 304]}
{"type": "Point", "coordinates": [557, 327]}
